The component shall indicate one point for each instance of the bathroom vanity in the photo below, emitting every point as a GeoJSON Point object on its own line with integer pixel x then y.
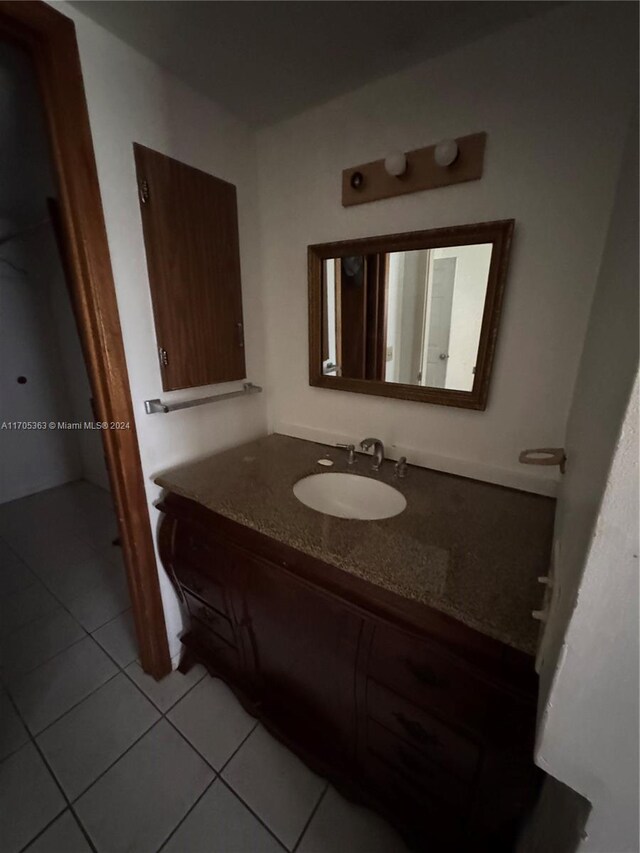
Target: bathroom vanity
{"type": "Point", "coordinates": [394, 656]}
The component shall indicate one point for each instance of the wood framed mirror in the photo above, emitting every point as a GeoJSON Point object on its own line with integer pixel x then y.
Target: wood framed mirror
{"type": "Point", "coordinates": [413, 316]}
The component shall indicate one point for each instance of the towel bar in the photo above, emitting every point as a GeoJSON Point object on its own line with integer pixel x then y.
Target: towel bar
{"type": "Point", "coordinates": [153, 407]}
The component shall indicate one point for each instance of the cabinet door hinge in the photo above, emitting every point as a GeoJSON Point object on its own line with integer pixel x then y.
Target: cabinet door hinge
{"type": "Point", "coordinates": [144, 191]}
{"type": "Point", "coordinates": [164, 358]}
{"type": "Point", "coordinates": [240, 329]}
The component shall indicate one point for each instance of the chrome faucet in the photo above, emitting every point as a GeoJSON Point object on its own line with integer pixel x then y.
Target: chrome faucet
{"type": "Point", "coordinates": [400, 468]}
{"type": "Point", "coordinates": [351, 452]}
{"type": "Point", "coordinates": [378, 451]}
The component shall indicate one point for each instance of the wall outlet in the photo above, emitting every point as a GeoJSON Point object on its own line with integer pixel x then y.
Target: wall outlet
{"type": "Point", "coordinates": [389, 353]}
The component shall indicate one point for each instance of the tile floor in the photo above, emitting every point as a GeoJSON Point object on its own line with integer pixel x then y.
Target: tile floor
{"type": "Point", "coordinates": [95, 755]}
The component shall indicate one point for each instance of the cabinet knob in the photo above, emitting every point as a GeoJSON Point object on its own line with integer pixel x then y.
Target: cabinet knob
{"type": "Point", "coordinates": [425, 674]}
{"type": "Point", "coordinates": [415, 730]}
{"type": "Point", "coordinates": [206, 616]}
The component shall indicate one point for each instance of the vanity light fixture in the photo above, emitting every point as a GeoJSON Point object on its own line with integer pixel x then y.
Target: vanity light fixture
{"type": "Point", "coordinates": [450, 161]}
{"type": "Point", "coordinates": [446, 152]}
{"type": "Point", "coordinates": [396, 164]}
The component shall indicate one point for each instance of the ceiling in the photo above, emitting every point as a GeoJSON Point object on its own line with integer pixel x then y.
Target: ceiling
{"type": "Point", "coordinates": [265, 61]}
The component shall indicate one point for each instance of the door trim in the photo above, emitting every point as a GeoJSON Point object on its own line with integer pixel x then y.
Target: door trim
{"type": "Point", "coordinates": [50, 39]}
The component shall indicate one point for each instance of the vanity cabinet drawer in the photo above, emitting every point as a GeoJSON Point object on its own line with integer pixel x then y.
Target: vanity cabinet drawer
{"type": "Point", "coordinates": [411, 772]}
{"type": "Point", "coordinates": [210, 618]}
{"type": "Point", "coordinates": [220, 656]}
{"type": "Point", "coordinates": [425, 734]}
{"type": "Point", "coordinates": [201, 551]}
{"type": "Point", "coordinates": [433, 679]}
{"type": "Point", "coordinates": [193, 581]}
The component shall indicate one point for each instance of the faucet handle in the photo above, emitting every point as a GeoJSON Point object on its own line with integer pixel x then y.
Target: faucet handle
{"type": "Point", "coordinates": [351, 449]}
{"type": "Point", "coordinates": [401, 467]}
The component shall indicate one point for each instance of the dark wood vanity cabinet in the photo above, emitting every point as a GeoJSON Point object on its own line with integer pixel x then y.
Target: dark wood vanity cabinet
{"type": "Point", "coordinates": [401, 707]}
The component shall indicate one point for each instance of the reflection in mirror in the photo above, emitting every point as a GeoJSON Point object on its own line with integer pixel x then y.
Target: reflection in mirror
{"type": "Point", "coordinates": [411, 317]}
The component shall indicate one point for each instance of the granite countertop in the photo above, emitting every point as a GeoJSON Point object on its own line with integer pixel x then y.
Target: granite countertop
{"type": "Point", "coordinates": [470, 549]}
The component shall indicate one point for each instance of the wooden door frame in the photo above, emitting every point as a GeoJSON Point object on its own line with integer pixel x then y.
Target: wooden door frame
{"type": "Point", "coordinates": [50, 39]}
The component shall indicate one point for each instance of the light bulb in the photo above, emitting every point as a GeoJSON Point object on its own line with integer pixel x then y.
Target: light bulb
{"type": "Point", "coordinates": [396, 164]}
{"type": "Point", "coordinates": [446, 152]}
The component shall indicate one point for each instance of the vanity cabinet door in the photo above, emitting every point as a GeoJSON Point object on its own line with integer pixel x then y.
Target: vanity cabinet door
{"type": "Point", "coordinates": [304, 645]}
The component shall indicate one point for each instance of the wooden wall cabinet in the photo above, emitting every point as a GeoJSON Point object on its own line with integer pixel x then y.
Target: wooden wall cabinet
{"type": "Point", "coordinates": [403, 709]}
{"type": "Point", "coordinates": [190, 225]}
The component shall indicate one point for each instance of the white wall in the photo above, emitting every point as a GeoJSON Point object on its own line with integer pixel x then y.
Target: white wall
{"type": "Point", "coordinates": [31, 460]}
{"type": "Point", "coordinates": [39, 340]}
{"type": "Point", "coordinates": [551, 164]}
{"type": "Point", "coordinates": [608, 367]}
{"type": "Point", "coordinates": [131, 99]}
{"type": "Point", "coordinates": [588, 731]}
{"type": "Point", "coordinates": [72, 365]}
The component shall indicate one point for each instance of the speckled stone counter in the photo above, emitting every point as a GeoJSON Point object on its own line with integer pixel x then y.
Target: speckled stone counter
{"type": "Point", "coordinates": [469, 549]}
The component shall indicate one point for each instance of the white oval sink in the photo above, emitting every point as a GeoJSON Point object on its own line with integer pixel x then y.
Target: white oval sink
{"type": "Point", "coordinates": [349, 496]}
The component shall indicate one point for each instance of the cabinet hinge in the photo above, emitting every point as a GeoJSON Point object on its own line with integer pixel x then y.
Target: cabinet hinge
{"type": "Point", "coordinates": [164, 358]}
{"type": "Point", "coordinates": [144, 191]}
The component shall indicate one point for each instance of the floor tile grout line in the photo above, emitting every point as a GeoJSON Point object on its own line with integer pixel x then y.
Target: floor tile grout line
{"type": "Point", "coordinates": [237, 794]}
{"type": "Point", "coordinates": [18, 589]}
{"type": "Point", "coordinates": [133, 744]}
{"type": "Point", "coordinates": [41, 832]}
{"type": "Point", "coordinates": [66, 609]}
{"type": "Point", "coordinates": [17, 676]}
{"type": "Point", "coordinates": [162, 715]}
{"type": "Point", "coordinates": [311, 817]}
{"type": "Point", "coordinates": [260, 820]}
{"type": "Point", "coordinates": [70, 612]}
{"type": "Point", "coordinates": [110, 619]}
{"type": "Point", "coordinates": [217, 772]}
{"type": "Point", "coordinates": [18, 748]}
{"type": "Point", "coordinates": [157, 707]}
{"type": "Point", "coordinates": [55, 596]}
{"type": "Point", "coordinates": [73, 811]}
{"type": "Point", "coordinates": [4, 637]}
{"type": "Point", "coordinates": [187, 813]}
{"type": "Point", "coordinates": [121, 755]}
{"type": "Point", "coordinates": [188, 742]}
{"type": "Point", "coordinates": [71, 707]}
{"type": "Point", "coordinates": [27, 561]}
{"type": "Point", "coordinates": [240, 745]}
{"type": "Point", "coordinates": [43, 758]}
{"type": "Point", "coordinates": [120, 671]}
{"type": "Point", "coordinates": [113, 619]}
{"type": "Point", "coordinates": [11, 548]}
{"type": "Point", "coordinates": [102, 773]}
{"type": "Point", "coordinates": [195, 748]}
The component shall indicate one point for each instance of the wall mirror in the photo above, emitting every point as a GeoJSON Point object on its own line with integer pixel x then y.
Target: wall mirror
{"type": "Point", "coordinates": [413, 315]}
